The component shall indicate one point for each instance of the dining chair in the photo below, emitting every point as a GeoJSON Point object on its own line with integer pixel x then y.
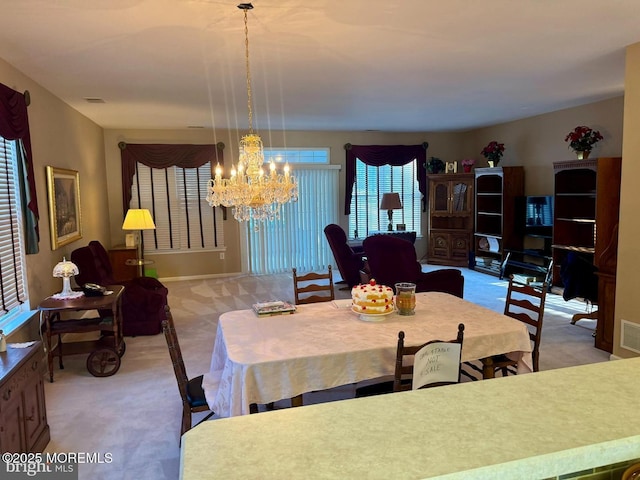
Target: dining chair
{"type": "Point", "coordinates": [313, 287]}
{"type": "Point", "coordinates": [191, 392]}
{"type": "Point", "coordinates": [430, 364]}
{"type": "Point", "coordinates": [524, 303]}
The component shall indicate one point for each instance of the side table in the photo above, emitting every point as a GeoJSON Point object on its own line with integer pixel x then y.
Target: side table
{"type": "Point", "coordinates": [105, 353]}
{"type": "Point", "coordinates": [120, 257]}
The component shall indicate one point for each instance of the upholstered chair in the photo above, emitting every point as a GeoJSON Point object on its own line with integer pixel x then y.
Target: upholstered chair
{"type": "Point", "coordinates": [349, 262]}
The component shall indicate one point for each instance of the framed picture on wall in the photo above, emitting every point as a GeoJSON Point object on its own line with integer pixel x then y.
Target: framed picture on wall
{"type": "Point", "coordinates": [63, 192]}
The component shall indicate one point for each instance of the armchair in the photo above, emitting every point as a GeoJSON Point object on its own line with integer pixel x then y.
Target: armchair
{"type": "Point", "coordinates": [392, 260]}
{"type": "Point", "coordinates": [349, 262]}
{"type": "Point", "coordinates": [143, 300]}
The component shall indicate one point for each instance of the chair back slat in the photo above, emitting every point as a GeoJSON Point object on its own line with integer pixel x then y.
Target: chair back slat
{"type": "Point", "coordinates": [306, 288]}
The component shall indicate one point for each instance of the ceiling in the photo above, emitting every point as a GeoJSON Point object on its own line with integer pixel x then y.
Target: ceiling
{"type": "Point", "coordinates": [395, 65]}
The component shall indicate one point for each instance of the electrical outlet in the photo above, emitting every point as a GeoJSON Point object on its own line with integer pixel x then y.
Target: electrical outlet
{"type": "Point", "coordinates": [221, 255]}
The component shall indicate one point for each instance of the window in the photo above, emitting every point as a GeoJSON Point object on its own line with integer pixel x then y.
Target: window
{"type": "Point", "coordinates": [297, 239]}
{"type": "Point", "coordinates": [13, 293]}
{"type": "Point", "coordinates": [370, 183]}
{"type": "Point", "coordinates": [175, 197]}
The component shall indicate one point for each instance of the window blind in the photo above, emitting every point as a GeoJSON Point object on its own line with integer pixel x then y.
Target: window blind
{"type": "Point", "coordinates": [370, 184]}
{"type": "Point", "coordinates": [297, 239]}
{"type": "Point", "coordinates": [12, 288]}
{"type": "Point", "coordinates": [176, 199]}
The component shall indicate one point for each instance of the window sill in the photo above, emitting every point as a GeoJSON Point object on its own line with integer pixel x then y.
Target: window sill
{"type": "Point", "coordinates": [16, 321]}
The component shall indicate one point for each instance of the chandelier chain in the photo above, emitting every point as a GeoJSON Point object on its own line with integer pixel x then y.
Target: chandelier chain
{"type": "Point", "coordinates": [246, 49]}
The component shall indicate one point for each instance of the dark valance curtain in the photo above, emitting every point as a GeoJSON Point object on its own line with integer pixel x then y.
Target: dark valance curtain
{"type": "Point", "coordinates": [14, 125]}
{"type": "Point", "coordinates": [377, 155]}
{"type": "Point", "coordinates": [163, 156]}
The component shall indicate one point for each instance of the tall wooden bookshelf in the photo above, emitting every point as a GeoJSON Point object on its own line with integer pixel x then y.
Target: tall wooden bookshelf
{"type": "Point", "coordinates": [587, 205]}
{"type": "Point", "coordinates": [498, 191]}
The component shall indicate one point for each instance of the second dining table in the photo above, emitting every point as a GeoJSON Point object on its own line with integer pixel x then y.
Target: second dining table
{"type": "Point", "coordinates": [258, 360]}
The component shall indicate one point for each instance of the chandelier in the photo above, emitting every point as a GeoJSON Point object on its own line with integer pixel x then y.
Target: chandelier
{"type": "Point", "coordinates": [251, 192]}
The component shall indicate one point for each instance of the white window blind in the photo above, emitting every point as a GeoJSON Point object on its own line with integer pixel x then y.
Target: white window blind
{"type": "Point", "coordinates": [13, 295]}
{"type": "Point", "coordinates": [176, 198]}
{"type": "Point", "coordinates": [297, 239]}
{"type": "Point", "coordinates": [370, 184]}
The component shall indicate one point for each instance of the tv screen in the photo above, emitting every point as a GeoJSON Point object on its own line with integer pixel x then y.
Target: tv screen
{"type": "Point", "coordinates": [539, 216]}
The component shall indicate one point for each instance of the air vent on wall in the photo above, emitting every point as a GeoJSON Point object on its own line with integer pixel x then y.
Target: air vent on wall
{"type": "Point", "coordinates": [630, 336]}
{"type": "Point", "coordinates": [94, 100]}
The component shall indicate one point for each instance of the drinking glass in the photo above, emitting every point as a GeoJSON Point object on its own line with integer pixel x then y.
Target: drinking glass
{"type": "Point", "coordinates": [406, 298]}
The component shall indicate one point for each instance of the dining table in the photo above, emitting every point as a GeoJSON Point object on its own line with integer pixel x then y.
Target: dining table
{"type": "Point", "coordinates": [258, 360]}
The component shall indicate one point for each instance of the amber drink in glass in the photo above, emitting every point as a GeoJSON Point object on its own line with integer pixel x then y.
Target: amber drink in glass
{"type": "Point", "coordinates": [406, 298]}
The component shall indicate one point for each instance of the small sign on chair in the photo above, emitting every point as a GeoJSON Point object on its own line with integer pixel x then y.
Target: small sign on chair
{"type": "Point", "coordinates": [435, 363]}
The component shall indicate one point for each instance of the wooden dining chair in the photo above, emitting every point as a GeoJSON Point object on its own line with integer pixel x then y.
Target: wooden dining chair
{"type": "Point", "coordinates": [313, 287]}
{"type": "Point", "coordinates": [431, 364]}
{"type": "Point", "coordinates": [524, 303]}
{"type": "Point", "coordinates": [191, 392]}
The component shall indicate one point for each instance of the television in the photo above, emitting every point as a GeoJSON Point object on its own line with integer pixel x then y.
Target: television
{"type": "Point", "coordinates": [538, 216]}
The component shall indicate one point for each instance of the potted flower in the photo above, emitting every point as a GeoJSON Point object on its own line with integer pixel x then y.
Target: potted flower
{"type": "Point", "coordinates": [582, 139]}
{"type": "Point", "coordinates": [493, 153]}
{"type": "Point", "coordinates": [467, 163]}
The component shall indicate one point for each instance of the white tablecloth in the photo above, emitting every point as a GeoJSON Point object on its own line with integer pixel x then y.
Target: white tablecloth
{"type": "Point", "coordinates": [321, 346]}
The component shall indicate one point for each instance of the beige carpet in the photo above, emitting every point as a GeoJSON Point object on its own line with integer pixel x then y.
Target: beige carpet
{"type": "Point", "coordinates": [135, 414]}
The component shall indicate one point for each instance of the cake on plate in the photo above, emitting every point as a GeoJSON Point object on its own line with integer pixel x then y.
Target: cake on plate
{"type": "Point", "coordinates": [372, 299]}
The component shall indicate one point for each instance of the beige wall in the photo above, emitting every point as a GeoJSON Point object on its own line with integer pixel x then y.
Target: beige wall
{"type": "Point", "coordinates": [628, 247]}
{"type": "Point", "coordinates": [63, 138]}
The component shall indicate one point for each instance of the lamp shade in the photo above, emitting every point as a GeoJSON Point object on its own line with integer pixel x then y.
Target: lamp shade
{"type": "Point", "coordinates": [65, 269]}
{"type": "Point", "coordinates": [390, 201]}
{"type": "Point", "coordinates": [138, 219]}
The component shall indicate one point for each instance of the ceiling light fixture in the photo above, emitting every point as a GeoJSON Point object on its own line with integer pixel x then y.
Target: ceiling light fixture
{"type": "Point", "coordinates": [252, 193]}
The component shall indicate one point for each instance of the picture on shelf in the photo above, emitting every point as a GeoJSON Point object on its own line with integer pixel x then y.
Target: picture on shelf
{"type": "Point", "coordinates": [452, 167]}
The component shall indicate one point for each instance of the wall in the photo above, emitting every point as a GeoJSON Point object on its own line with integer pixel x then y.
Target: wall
{"type": "Point", "coordinates": [63, 138]}
{"type": "Point", "coordinates": [443, 145]}
{"type": "Point", "coordinates": [628, 248]}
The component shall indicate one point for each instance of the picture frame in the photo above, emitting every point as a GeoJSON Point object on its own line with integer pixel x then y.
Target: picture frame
{"type": "Point", "coordinates": [401, 227]}
{"type": "Point", "coordinates": [451, 167]}
{"type": "Point", "coordinates": [63, 193]}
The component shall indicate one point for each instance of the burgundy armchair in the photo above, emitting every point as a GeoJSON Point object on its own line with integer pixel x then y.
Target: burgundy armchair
{"type": "Point", "coordinates": [143, 300]}
{"type": "Point", "coordinates": [349, 262]}
{"type": "Point", "coordinates": [392, 260]}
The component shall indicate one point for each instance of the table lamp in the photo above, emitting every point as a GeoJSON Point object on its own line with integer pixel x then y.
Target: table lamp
{"type": "Point", "coordinates": [390, 202]}
{"type": "Point", "coordinates": [139, 219]}
{"type": "Point", "coordinates": [66, 270]}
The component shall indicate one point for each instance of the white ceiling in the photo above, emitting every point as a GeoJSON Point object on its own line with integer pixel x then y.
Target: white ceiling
{"type": "Point", "coordinates": [395, 65]}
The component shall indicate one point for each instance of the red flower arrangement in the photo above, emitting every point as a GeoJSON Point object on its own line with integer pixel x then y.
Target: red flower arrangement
{"type": "Point", "coordinates": [582, 139]}
{"type": "Point", "coordinates": [493, 152]}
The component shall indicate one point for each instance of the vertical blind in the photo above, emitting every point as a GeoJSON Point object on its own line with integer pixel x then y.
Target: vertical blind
{"type": "Point", "coordinates": [12, 291]}
{"type": "Point", "coordinates": [175, 197]}
{"type": "Point", "coordinates": [371, 183]}
{"type": "Point", "coordinates": [297, 239]}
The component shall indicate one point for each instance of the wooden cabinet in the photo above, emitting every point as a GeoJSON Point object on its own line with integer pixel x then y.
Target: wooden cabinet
{"type": "Point", "coordinates": [23, 416]}
{"type": "Point", "coordinates": [450, 219]}
{"type": "Point", "coordinates": [118, 257]}
{"type": "Point", "coordinates": [587, 205]}
{"type": "Point", "coordinates": [498, 192]}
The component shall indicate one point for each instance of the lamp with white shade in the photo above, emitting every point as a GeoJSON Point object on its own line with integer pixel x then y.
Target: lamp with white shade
{"type": "Point", "coordinates": [139, 219]}
{"type": "Point", "coordinates": [390, 202]}
{"type": "Point", "coordinates": [66, 270]}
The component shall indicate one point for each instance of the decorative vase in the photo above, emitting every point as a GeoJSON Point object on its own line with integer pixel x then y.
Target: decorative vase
{"type": "Point", "coordinates": [583, 154]}
{"type": "Point", "coordinates": [466, 168]}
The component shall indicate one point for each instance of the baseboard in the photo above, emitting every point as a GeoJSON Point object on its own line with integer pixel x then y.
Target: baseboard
{"type": "Point", "coordinates": [615, 357]}
{"type": "Point", "coordinates": [201, 277]}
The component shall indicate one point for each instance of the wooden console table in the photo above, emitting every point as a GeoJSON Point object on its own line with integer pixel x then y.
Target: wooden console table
{"type": "Point", "coordinates": [105, 353]}
{"type": "Point", "coordinates": [23, 414]}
